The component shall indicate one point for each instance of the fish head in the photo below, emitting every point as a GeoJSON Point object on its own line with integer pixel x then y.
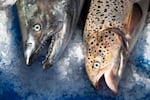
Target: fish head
{"type": "Point", "coordinates": [41, 24]}
{"type": "Point", "coordinates": [104, 57]}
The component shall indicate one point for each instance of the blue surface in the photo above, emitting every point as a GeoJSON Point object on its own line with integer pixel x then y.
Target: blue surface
{"type": "Point", "coordinates": [65, 81]}
{"type": "Point", "coordinates": [143, 65]}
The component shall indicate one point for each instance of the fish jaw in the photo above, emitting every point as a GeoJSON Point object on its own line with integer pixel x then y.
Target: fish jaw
{"type": "Point", "coordinates": [105, 57]}
{"type": "Point", "coordinates": [94, 75]}
{"type": "Point", "coordinates": [110, 78]}
{"type": "Point", "coordinates": [29, 49]}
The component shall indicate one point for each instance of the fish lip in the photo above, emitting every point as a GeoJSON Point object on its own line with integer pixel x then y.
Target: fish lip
{"type": "Point", "coordinates": [29, 58]}
{"type": "Point", "coordinates": [98, 79]}
{"type": "Point", "coordinates": [96, 84]}
{"type": "Point", "coordinates": [29, 61]}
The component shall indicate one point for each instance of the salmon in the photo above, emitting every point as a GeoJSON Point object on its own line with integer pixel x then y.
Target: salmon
{"type": "Point", "coordinates": [111, 30]}
{"type": "Point", "coordinates": [47, 22]}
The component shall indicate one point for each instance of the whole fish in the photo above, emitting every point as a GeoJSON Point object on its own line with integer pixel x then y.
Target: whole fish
{"type": "Point", "coordinates": [111, 30]}
{"type": "Point", "coordinates": [43, 20]}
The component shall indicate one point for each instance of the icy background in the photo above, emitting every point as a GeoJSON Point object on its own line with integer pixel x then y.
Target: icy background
{"type": "Point", "coordinates": [67, 79]}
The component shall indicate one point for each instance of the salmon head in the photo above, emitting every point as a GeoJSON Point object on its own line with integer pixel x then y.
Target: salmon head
{"type": "Point", "coordinates": [39, 21]}
{"type": "Point", "coordinates": [105, 56]}
{"type": "Point", "coordinates": [110, 32]}
{"type": "Point", "coordinates": [43, 20]}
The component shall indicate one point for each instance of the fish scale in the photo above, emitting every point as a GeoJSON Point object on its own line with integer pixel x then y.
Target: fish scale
{"type": "Point", "coordinates": [109, 15]}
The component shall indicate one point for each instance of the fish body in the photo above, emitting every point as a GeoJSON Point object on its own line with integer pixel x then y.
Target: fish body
{"type": "Point", "coordinates": [111, 30]}
{"type": "Point", "coordinates": [43, 20]}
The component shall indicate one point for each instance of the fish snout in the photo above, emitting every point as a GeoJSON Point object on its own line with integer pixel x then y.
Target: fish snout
{"type": "Point", "coordinates": [109, 73]}
{"type": "Point", "coordinates": [95, 74]}
{"type": "Point", "coordinates": [28, 53]}
{"type": "Point", "coordinates": [30, 46]}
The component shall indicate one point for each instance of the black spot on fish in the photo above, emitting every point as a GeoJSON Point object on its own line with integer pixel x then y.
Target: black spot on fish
{"type": "Point", "coordinates": [100, 50]}
{"type": "Point", "coordinates": [105, 10]}
{"type": "Point", "coordinates": [99, 1]}
{"type": "Point", "coordinates": [102, 22]}
{"type": "Point", "coordinates": [102, 15]}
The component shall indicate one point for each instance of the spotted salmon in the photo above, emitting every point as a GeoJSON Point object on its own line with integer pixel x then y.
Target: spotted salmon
{"type": "Point", "coordinates": [111, 30]}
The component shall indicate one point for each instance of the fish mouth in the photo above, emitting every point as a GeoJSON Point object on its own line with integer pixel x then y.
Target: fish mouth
{"type": "Point", "coordinates": [30, 56]}
{"type": "Point", "coordinates": [112, 74]}
{"type": "Point", "coordinates": [99, 78]}
{"type": "Point", "coordinates": [108, 78]}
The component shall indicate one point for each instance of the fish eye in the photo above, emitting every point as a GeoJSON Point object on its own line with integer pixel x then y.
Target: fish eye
{"type": "Point", "coordinates": [37, 27]}
{"type": "Point", "coordinates": [96, 65]}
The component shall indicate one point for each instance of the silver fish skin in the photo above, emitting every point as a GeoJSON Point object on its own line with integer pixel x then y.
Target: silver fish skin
{"type": "Point", "coordinates": [41, 20]}
{"type": "Point", "coordinates": [111, 30]}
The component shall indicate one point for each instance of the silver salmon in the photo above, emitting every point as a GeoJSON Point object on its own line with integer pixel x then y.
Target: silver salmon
{"type": "Point", "coordinates": [111, 30]}
{"type": "Point", "coordinates": [43, 20]}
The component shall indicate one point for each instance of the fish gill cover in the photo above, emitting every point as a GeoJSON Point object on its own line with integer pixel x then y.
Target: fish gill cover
{"type": "Point", "coordinates": [67, 79]}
